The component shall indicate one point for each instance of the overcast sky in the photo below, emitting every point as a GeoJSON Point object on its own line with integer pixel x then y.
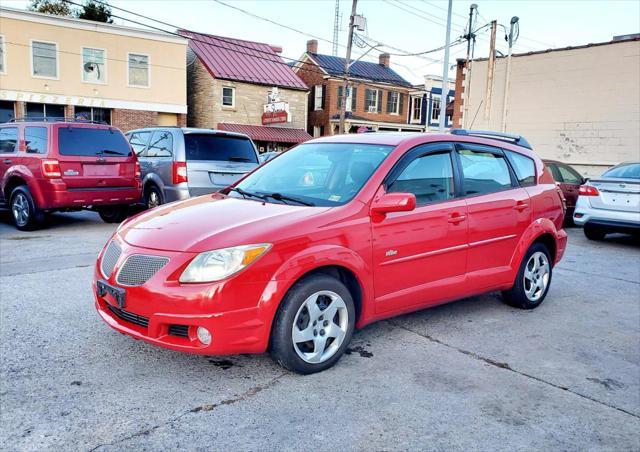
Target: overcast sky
{"type": "Point", "coordinates": [409, 25]}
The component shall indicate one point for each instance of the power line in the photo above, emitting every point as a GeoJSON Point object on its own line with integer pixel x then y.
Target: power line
{"type": "Point", "coordinates": [419, 13]}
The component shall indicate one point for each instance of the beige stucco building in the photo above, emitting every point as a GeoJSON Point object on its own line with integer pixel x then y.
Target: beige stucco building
{"type": "Point", "coordinates": [59, 66]}
{"type": "Point", "coordinates": [579, 105]}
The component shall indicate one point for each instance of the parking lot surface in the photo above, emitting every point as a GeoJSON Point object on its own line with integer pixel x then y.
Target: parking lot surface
{"type": "Point", "coordinates": [470, 375]}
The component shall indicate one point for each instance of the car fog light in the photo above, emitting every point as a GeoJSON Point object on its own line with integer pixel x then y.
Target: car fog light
{"type": "Point", "coordinates": [204, 335]}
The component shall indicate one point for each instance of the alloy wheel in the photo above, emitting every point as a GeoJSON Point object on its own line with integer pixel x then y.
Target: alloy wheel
{"type": "Point", "coordinates": [320, 326]}
{"type": "Point", "coordinates": [536, 276]}
{"type": "Point", "coordinates": [154, 199]}
{"type": "Point", "coordinates": [20, 209]}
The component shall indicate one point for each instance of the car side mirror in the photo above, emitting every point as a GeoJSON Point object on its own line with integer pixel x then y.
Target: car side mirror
{"type": "Point", "coordinates": [394, 202]}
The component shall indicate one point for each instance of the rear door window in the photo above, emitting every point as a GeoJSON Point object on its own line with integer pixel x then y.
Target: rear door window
{"type": "Point", "coordinates": [161, 144]}
{"type": "Point", "coordinates": [36, 139]}
{"type": "Point", "coordinates": [8, 140]}
{"type": "Point", "coordinates": [569, 176]}
{"type": "Point", "coordinates": [524, 167]}
{"type": "Point", "coordinates": [88, 142]}
{"type": "Point", "coordinates": [227, 148]}
{"type": "Point", "coordinates": [138, 141]}
{"type": "Point", "coordinates": [484, 171]}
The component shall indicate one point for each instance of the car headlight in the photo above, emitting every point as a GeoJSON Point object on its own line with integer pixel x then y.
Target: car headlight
{"type": "Point", "coordinates": [219, 264]}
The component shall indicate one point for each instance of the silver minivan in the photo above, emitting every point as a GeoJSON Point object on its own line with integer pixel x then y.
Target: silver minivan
{"type": "Point", "coordinates": [180, 162]}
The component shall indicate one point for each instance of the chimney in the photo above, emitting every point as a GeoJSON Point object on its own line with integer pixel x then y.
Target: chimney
{"type": "Point", "coordinates": [312, 46]}
{"type": "Point", "coordinates": [383, 59]}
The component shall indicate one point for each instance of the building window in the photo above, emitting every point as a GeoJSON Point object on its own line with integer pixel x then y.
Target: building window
{"type": "Point", "coordinates": [393, 102]}
{"type": "Point", "coordinates": [228, 96]}
{"type": "Point", "coordinates": [44, 59]}
{"type": "Point", "coordinates": [3, 61]}
{"type": "Point", "coordinates": [416, 110]}
{"type": "Point", "coordinates": [371, 100]}
{"type": "Point", "coordinates": [93, 114]}
{"type": "Point", "coordinates": [93, 65]}
{"type": "Point", "coordinates": [316, 132]}
{"type": "Point", "coordinates": [39, 111]}
{"type": "Point", "coordinates": [6, 111]}
{"type": "Point", "coordinates": [138, 70]}
{"type": "Point", "coordinates": [317, 97]}
{"type": "Point", "coordinates": [435, 109]}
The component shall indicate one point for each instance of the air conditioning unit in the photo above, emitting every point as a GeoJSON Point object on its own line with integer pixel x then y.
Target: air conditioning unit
{"type": "Point", "coordinates": [373, 109]}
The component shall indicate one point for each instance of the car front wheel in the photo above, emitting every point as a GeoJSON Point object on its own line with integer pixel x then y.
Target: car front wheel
{"type": "Point", "coordinates": [534, 278]}
{"type": "Point", "coordinates": [26, 214]}
{"type": "Point", "coordinates": [313, 325]}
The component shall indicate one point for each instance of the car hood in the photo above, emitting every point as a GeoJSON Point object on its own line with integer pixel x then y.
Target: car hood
{"type": "Point", "coordinates": [212, 222]}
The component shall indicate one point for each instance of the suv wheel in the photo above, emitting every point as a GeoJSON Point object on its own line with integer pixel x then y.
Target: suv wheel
{"type": "Point", "coordinates": [113, 214]}
{"type": "Point", "coordinates": [593, 233]}
{"type": "Point", "coordinates": [26, 214]}
{"type": "Point", "coordinates": [153, 197]}
{"type": "Point", "coordinates": [533, 280]}
{"type": "Point", "coordinates": [313, 325]}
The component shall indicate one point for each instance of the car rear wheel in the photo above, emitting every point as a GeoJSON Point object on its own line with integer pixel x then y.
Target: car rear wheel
{"type": "Point", "coordinates": [26, 214]}
{"type": "Point", "coordinates": [153, 197]}
{"type": "Point", "coordinates": [113, 214]}
{"type": "Point", "coordinates": [533, 280]}
{"type": "Point", "coordinates": [313, 325]}
{"type": "Point", "coordinates": [593, 232]}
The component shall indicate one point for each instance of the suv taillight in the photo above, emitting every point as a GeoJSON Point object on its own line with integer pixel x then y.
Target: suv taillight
{"type": "Point", "coordinates": [588, 190]}
{"type": "Point", "coordinates": [179, 172]}
{"type": "Point", "coordinates": [51, 168]}
{"type": "Point", "coordinates": [138, 172]}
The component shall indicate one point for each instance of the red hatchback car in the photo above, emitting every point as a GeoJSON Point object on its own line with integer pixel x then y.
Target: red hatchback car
{"type": "Point", "coordinates": [332, 235]}
{"type": "Point", "coordinates": [62, 165]}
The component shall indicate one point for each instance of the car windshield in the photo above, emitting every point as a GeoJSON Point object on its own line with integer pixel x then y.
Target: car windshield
{"type": "Point", "coordinates": [226, 148]}
{"type": "Point", "coordinates": [630, 171]}
{"type": "Point", "coordinates": [89, 142]}
{"type": "Point", "coordinates": [320, 174]}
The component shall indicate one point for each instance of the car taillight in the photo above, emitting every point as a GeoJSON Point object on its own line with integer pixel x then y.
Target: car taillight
{"type": "Point", "coordinates": [588, 190]}
{"type": "Point", "coordinates": [138, 173]}
{"type": "Point", "coordinates": [51, 168]}
{"type": "Point", "coordinates": [179, 172]}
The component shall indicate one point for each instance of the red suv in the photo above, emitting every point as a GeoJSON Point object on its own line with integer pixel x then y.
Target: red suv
{"type": "Point", "coordinates": [60, 165]}
{"type": "Point", "coordinates": [332, 235]}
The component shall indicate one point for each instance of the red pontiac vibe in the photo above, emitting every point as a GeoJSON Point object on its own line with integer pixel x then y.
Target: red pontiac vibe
{"type": "Point", "coordinates": [332, 235]}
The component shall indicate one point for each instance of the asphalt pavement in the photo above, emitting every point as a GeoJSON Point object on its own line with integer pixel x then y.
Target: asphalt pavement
{"type": "Point", "coordinates": [471, 375]}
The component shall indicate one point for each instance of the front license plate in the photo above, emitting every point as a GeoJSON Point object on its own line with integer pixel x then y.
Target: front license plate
{"type": "Point", "coordinates": [118, 294]}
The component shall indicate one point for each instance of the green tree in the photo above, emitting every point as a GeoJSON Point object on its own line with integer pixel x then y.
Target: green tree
{"type": "Point", "coordinates": [55, 7]}
{"type": "Point", "coordinates": [98, 12]}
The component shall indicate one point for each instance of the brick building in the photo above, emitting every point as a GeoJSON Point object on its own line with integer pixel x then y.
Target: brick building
{"type": "Point", "coordinates": [244, 86]}
{"type": "Point", "coordinates": [377, 98]}
{"type": "Point", "coordinates": [55, 66]}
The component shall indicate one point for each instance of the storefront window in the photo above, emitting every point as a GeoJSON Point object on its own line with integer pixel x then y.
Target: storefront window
{"type": "Point", "coordinates": [93, 114]}
{"type": "Point", "coordinates": [39, 111]}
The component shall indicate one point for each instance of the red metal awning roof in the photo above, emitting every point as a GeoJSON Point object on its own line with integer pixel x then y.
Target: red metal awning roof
{"type": "Point", "coordinates": [266, 133]}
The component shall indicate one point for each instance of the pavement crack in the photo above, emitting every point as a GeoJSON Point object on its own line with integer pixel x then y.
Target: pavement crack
{"type": "Point", "coordinates": [207, 407]}
{"type": "Point", "coordinates": [507, 367]}
{"type": "Point", "coordinates": [573, 270]}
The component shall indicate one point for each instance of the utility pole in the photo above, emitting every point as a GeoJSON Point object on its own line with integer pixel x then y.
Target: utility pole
{"type": "Point", "coordinates": [507, 77]}
{"type": "Point", "coordinates": [445, 72]}
{"type": "Point", "coordinates": [336, 27]}
{"type": "Point", "coordinates": [490, 71]}
{"type": "Point", "coordinates": [347, 65]}
{"type": "Point", "coordinates": [467, 89]}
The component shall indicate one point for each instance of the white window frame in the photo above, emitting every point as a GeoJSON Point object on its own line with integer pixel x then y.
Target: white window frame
{"type": "Point", "coordinates": [434, 98]}
{"type": "Point", "coordinates": [375, 97]}
{"type": "Point", "coordinates": [396, 111]}
{"type": "Point", "coordinates": [46, 77]}
{"type": "Point", "coordinates": [416, 100]}
{"type": "Point", "coordinates": [233, 96]}
{"type": "Point", "coordinates": [3, 44]}
{"type": "Point", "coordinates": [317, 97]}
{"type": "Point", "coordinates": [348, 98]}
{"type": "Point", "coordinates": [104, 64]}
{"type": "Point", "coordinates": [316, 131]}
{"type": "Point", "coordinates": [148, 85]}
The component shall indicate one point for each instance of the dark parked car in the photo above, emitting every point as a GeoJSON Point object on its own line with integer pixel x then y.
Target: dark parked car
{"type": "Point", "coordinates": [569, 181]}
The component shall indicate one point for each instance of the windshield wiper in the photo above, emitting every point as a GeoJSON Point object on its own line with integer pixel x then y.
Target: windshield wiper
{"type": "Point", "coordinates": [109, 151]}
{"type": "Point", "coordinates": [246, 194]}
{"type": "Point", "coordinates": [284, 198]}
{"type": "Point", "coordinates": [240, 159]}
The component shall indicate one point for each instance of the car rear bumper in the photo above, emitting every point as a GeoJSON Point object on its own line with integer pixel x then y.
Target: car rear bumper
{"type": "Point", "coordinates": [584, 214]}
{"type": "Point", "coordinates": [58, 196]}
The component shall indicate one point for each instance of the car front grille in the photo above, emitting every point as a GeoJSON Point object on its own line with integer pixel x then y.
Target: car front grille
{"type": "Point", "coordinates": [129, 316]}
{"type": "Point", "coordinates": [138, 268]}
{"type": "Point", "coordinates": [179, 330]}
{"type": "Point", "coordinates": [109, 258]}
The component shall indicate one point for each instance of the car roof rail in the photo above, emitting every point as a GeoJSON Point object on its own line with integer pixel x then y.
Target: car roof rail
{"type": "Point", "coordinates": [55, 119]}
{"type": "Point", "coordinates": [518, 140]}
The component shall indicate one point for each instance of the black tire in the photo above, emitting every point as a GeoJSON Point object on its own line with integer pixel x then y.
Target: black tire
{"type": "Point", "coordinates": [24, 211]}
{"type": "Point", "coordinates": [113, 214]}
{"type": "Point", "coordinates": [593, 233]}
{"type": "Point", "coordinates": [517, 295]}
{"type": "Point", "coordinates": [281, 342]}
{"type": "Point", "coordinates": [153, 196]}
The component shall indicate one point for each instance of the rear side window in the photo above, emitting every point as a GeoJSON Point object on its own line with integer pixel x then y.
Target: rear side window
{"type": "Point", "coordinates": [524, 167]}
{"type": "Point", "coordinates": [8, 139]}
{"type": "Point", "coordinates": [569, 176]}
{"type": "Point", "coordinates": [631, 171]}
{"type": "Point", "coordinates": [161, 145]}
{"type": "Point", "coordinates": [36, 139]}
{"type": "Point", "coordinates": [484, 172]}
{"type": "Point", "coordinates": [429, 177]}
{"type": "Point", "coordinates": [225, 148]}
{"type": "Point", "coordinates": [138, 141]}
{"type": "Point", "coordinates": [87, 142]}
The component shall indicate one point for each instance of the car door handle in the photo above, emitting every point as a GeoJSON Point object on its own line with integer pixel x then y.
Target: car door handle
{"type": "Point", "coordinates": [7, 161]}
{"type": "Point", "coordinates": [456, 218]}
{"type": "Point", "coordinates": [520, 206]}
